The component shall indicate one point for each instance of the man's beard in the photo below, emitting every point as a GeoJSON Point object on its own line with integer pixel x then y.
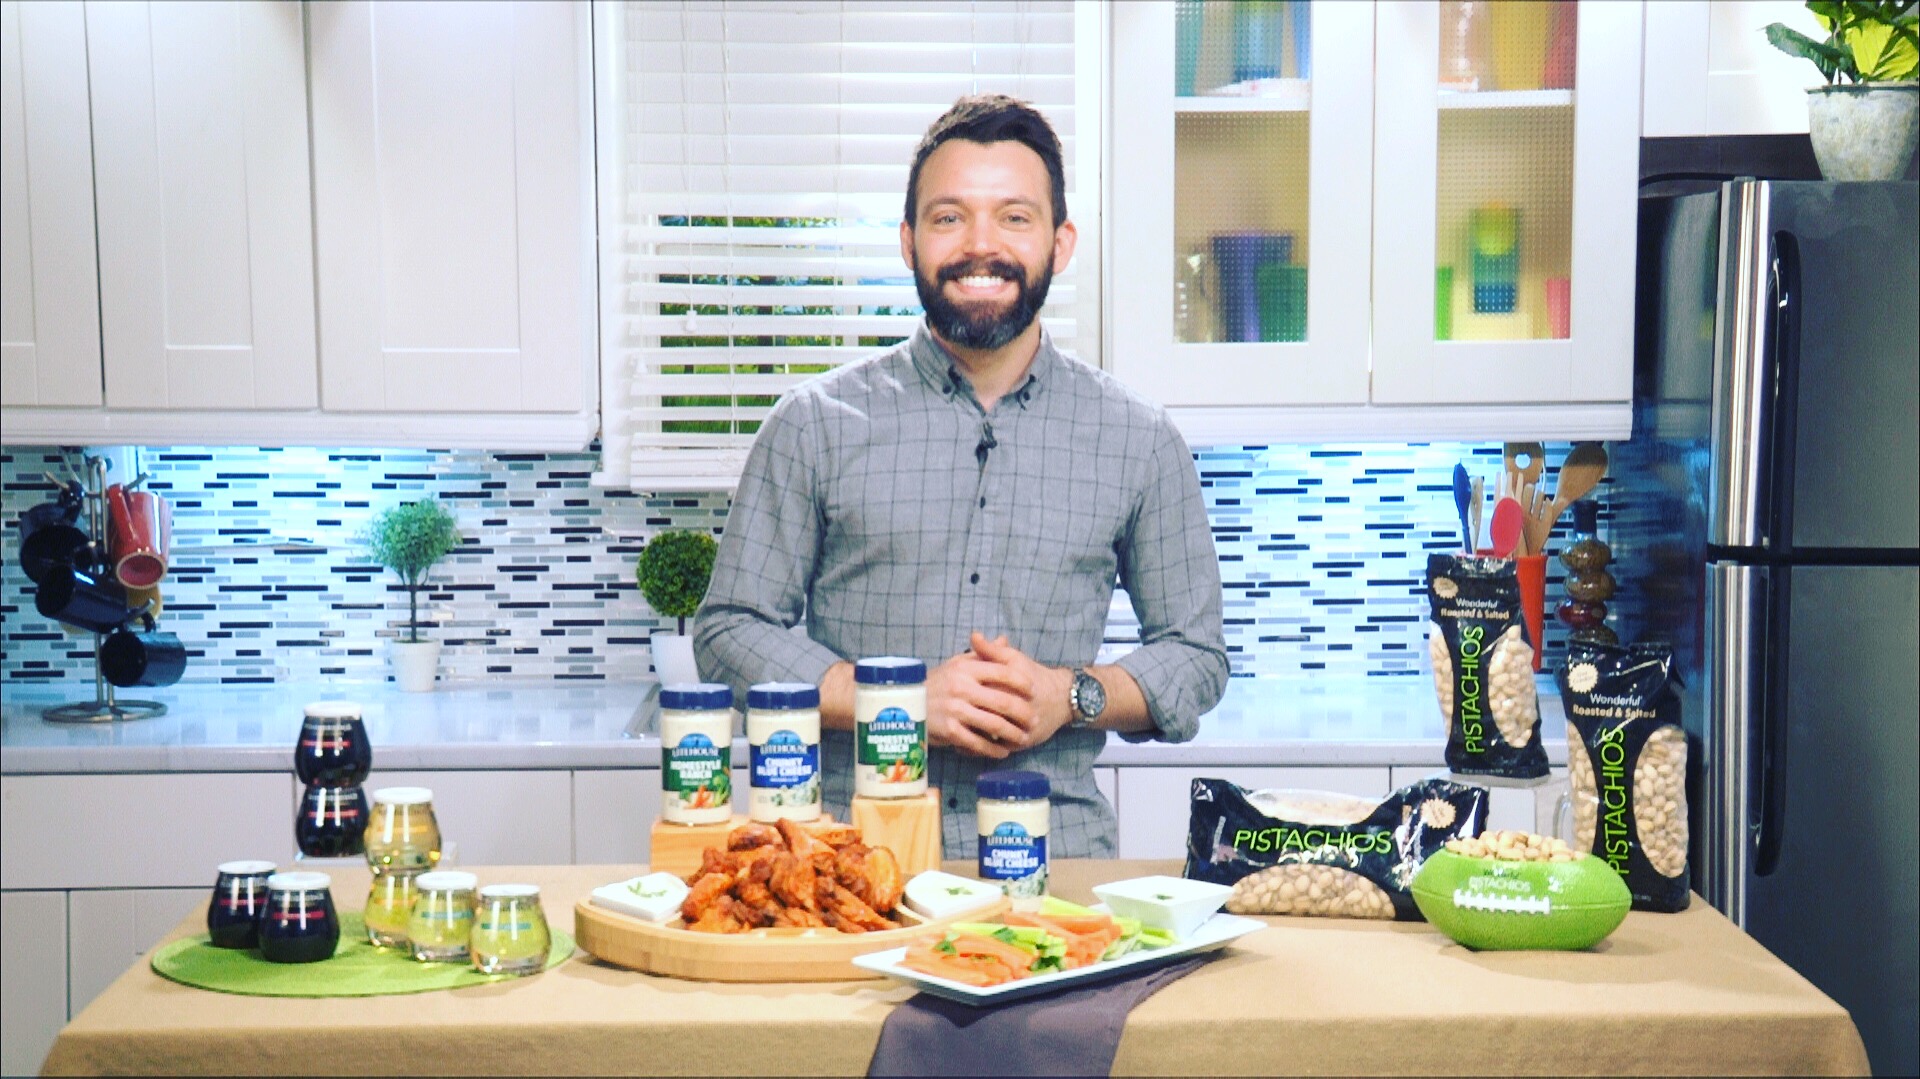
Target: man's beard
{"type": "Point", "coordinates": [984, 328]}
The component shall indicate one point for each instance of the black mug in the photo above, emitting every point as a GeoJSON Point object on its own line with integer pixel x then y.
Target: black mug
{"type": "Point", "coordinates": [86, 600]}
{"type": "Point", "coordinates": [50, 541]}
{"type": "Point", "coordinates": [142, 659]}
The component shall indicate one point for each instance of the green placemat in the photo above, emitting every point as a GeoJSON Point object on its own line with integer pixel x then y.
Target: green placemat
{"type": "Point", "coordinates": [357, 969]}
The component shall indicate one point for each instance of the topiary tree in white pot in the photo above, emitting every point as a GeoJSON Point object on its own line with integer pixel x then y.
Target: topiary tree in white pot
{"type": "Point", "coordinates": [410, 539]}
{"type": "Point", "coordinates": [673, 571]}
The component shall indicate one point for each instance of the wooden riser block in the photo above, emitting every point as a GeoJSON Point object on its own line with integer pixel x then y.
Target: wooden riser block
{"type": "Point", "coordinates": [677, 847]}
{"type": "Point", "coordinates": [910, 827]}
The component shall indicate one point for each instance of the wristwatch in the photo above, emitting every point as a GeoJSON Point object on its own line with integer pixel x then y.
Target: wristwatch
{"type": "Point", "coordinates": [1087, 699]}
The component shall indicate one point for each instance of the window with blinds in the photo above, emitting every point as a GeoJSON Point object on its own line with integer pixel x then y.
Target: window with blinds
{"type": "Point", "coordinates": [753, 159]}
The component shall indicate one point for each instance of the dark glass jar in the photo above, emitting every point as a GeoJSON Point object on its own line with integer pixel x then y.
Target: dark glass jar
{"type": "Point", "coordinates": [333, 750]}
{"type": "Point", "coordinates": [301, 925]}
{"type": "Point", "coordinates": [239, 902]}
{"type": "Point", "coordinates": [332, 822]}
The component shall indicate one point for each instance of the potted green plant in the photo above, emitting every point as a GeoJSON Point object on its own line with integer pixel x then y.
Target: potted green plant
{"type": "Point", "coordinates": [410, 539]}
{"type": "Point", "coordinates": [1865, 127]}
{"type": "Point", "coordinates": [673, 571]}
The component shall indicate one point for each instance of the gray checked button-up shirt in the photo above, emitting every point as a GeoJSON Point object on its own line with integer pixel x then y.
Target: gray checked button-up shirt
{"type": "Point", "coordinates": [884, 505]}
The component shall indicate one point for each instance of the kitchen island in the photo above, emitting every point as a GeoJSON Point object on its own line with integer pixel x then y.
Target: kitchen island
{"type": "Point", "coordinates": [112, 831]}
{"type": "Point", "coordinates": [1665, 994]}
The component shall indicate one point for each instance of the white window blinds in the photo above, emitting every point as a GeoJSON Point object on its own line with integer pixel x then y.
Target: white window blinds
{"type": "Point", "coordinates": [753, 166]}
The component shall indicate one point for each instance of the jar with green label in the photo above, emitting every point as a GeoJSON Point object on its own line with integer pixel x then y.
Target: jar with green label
{"type": "Point", "coordinates": [890, 727]}
{"type": "Point", "coordinates": [696, 753]}
{"type": "Point", "coordinates": [442, 919]}
{"type": "Point", "coordinates": [510, 934]}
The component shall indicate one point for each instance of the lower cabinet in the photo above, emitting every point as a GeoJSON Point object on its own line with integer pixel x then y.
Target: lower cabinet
{"type": "Point", "coordinates": [493, 818]}
{"type": "Point", "coordinates": [33, 977]}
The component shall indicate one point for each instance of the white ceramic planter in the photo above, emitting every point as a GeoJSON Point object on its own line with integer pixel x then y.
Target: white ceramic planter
{"type": "Point", "coordinates": [1864, 132]}
{"type": "Point", "coordinates": [415, 664]}
{"type": "Point", "coordinates": [673, 659]}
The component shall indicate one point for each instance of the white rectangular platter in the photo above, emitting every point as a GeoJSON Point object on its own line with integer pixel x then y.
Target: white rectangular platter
{"type": "Point", "coordinates": [1214, 934]}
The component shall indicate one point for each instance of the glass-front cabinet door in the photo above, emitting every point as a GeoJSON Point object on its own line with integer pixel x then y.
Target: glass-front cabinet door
{"type": "Point", "coordinates": [1240, 201]}
{"type": "Point", "coordinates": [1506, 157]}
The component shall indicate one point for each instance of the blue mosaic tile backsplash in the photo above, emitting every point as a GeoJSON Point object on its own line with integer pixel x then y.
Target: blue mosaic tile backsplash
{"type": "Point", "coordinates": [1322, 551]}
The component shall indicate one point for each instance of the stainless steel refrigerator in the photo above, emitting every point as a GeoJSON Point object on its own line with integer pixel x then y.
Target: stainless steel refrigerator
{"type": "Point", "coordinates": [1766, 519]}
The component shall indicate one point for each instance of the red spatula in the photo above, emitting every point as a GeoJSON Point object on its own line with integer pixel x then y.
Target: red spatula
{"type": "Point", "coordinates": [1505, 529]}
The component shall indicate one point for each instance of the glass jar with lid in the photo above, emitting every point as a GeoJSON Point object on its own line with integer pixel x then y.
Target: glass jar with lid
{"type": "Point", "coordinates": [510, 934]}
{"type": "Point", "coordinates": [333, 750]}
{"type": "Point", "coordinates": [301, 925]}
{"type": "Point", "coordinates": [402, 835]}
{"type": "Point", "coordinates": [389, 906]}
{"type": "Point", "coordinates": [696, 753]}
{"type": "Point", "coordinates": [442, 917]}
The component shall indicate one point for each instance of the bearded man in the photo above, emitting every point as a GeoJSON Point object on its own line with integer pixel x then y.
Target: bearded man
{"type": "Point", "coordinates": [969, 498]}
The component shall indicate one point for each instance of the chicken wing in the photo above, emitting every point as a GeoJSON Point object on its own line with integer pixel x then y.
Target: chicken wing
{"type": "Point", "coordinates": [885, 885]}
{"type": "Point", "coordinates": [837, 835]}
{"type": "Point", "coordinates": [753, 834]}
{"type": "Point", "coordinates": [793, 882]}
{"type": "Point", "coordinates": [706, 894]}
{"type": "Point", "coordinates": [799, 840]}
{"type": "Point", "coordinates": [724, 916]}
{"type": "Point", "coordinates": [837, 902]}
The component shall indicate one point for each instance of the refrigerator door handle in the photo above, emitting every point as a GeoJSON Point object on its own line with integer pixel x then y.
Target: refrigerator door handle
{"type": "Point", "coordinates": [1771, 726]}
{"type": "Point", "coordinates": [1736, 649]}
{"type": "Point", "coordinates": [1743, 385]}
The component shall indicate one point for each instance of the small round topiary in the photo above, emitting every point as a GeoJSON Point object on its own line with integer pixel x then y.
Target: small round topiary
{"type": "Point", "coordinates": [409, 539]}
{"type": "Point", "coordinates": [673, 572]}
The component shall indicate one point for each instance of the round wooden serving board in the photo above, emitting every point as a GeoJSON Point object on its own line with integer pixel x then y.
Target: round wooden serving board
{"type": "Point", "coordinates": [758, 955]}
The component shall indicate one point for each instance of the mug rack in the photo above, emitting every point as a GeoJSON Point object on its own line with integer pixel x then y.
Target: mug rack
{"type": "Point", "coordinates": [105, 707]}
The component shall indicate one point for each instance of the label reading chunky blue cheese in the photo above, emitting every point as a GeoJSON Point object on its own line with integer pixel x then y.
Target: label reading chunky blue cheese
{"type": "Point", "coordinates": [1015, 859]}
{"type": "Point", "coordinates": [785, 777]}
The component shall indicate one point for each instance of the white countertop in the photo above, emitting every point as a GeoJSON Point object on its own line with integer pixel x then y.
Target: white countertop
{"type": "Point", "coordinates": [562, 725]}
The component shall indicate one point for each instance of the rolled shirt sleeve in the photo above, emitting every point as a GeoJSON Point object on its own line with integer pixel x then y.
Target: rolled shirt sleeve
{"type": "Point", "coordinates": [1171, 574]}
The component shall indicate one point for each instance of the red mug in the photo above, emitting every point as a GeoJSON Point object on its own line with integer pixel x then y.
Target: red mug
{"type": "Point", "coordinates": [139, 530]}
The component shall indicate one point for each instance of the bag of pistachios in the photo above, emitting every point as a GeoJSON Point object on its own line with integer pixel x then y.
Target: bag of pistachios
{"type": "Point", "coordinates": [1318, 853]}
{"type": "Point", "coordinates": [1627, 766]}
{"type": "Point", "coordinates": [1483, 668]}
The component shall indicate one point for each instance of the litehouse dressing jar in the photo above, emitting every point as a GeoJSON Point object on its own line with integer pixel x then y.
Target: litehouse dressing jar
{"type": "Point", "coordinates": [1014, 812]}
{"type": "Point", "coordinates": [890, 727]}
{"type": "Point", "coordinates": [696, 753]}
{"type": "Point", "coordinates": [783, 740]}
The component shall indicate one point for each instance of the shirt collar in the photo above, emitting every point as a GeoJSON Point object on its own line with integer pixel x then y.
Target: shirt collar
{"type": "Point", "coordinates": [936, 365]}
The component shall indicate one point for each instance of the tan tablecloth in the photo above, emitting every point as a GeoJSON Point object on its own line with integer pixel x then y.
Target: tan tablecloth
{"type": "Point", "coordinates": [1667, 993]}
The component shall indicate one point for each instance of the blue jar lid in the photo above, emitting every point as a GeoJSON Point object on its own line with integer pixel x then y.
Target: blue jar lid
{"type": "Point", "coordinates": [776, 696]}
{"type": "Point", "coordinates": [696, 696]}
{"type": "Point", "coordinates": [889, 671]}
{"type": "Point", "coordinates": [1011, 785]}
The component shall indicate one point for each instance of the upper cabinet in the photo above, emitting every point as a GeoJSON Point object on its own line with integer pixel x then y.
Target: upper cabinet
{"type": "Point", "coordinates": [200, 176]}
{"type": "Point", "coordinates": [453, 206]}
{"type": "Point", "coordinates": [1710, 70]}
{"type": "Point", "coordinates": [1419, 216]}
{"type": "Point", "coordinates": [49, 298]}
{"type": "Point", "coordinates": [414, 269]}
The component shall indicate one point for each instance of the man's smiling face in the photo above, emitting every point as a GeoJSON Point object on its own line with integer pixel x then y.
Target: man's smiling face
{"type": "Point", "coordinates": [983, 245]}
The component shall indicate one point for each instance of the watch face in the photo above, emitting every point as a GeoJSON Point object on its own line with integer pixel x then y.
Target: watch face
{"type": "Point", "coordinates": [1089, 696]}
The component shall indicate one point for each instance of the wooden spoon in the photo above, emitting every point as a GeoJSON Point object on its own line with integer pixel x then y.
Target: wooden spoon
{"type": "Point", "coordinates": [1580, 473]}
{"type": "Point", "coordinates": [1536, 458]}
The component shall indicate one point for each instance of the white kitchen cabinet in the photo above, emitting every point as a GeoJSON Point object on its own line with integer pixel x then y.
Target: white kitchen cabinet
{"type": "Point", "coordinates": [49, 288]}
{"type": "Point", "coordinates": [1154, 802]}
{"type": "Point", "coordinates": [109, 930]}
{"type": "Point", "coordinates": [139, 831]}
{"type": "Point", "coordinates": [1513, 195]}
{"type": "Point", "coordinates": [205, 212]}
{"type": "Point", "coordinates": [33, 977]}
{"type": "Point", "coordinates": [1348, 177]}
{"type": "Point", "coordinates": [614, 811]}
{"type": "Point", "coordinates": [1711, 71]}
{"type": "Point", "coordinates": [452, 207]}
{"type": "Point", "coordinates": [496, 818]}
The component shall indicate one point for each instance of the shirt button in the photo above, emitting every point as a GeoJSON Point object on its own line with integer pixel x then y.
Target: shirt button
{"type": "Point", "coordinates": [975, 579]}
{"type": "Point", "coordinates": [953, 803]}
{"type": "Point", "coordinates": [983, 502]}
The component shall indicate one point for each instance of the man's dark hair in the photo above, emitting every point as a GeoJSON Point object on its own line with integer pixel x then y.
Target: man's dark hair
{"type": "Point", "coordinates": [990, 118]}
